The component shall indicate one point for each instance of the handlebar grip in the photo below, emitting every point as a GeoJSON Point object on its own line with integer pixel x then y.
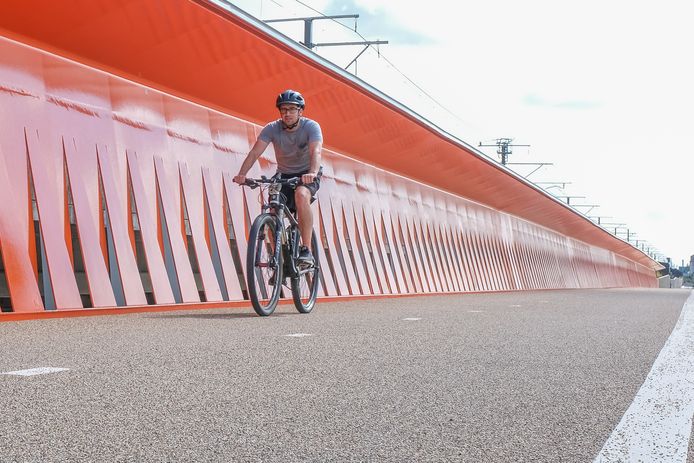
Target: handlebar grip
{"type": "Point", "coordinates": [294, 182]}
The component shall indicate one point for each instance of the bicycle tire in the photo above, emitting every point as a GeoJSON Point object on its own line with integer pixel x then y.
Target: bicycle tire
{"type": "Point", "coordinates": [264, 296]}
{"type": "Point", "coordinates": [305, 287]}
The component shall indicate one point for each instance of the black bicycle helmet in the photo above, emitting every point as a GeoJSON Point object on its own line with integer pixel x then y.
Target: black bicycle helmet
{"type": "Point", "coordinates": [290, 97]}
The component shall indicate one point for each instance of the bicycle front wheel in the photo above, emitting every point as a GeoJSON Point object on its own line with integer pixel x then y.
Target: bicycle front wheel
{"type": "Point", "coordinates": [264, 265]}
{"type": "Point", "coordinates": [305, 287]}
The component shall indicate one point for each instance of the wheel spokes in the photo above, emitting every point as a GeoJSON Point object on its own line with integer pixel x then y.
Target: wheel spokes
{"type": "Point", "coordinates": [265, 264]}
{"type": "Point", "coordinates": [306, 282]}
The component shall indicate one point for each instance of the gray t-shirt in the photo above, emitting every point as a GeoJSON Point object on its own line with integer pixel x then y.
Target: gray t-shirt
{"type": "Point", "coordinates": [291, 148]}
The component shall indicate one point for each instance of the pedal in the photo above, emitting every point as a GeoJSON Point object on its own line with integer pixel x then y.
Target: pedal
{"type": "Point", "coordinates": [305, 265]}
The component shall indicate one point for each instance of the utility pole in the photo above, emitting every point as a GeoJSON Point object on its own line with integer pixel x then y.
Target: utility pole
{"type": "Point", "coordinates": [503, 148]}
{"type": "Point", "coordinates": [568, 203]}
{"type": "Point", "coordinates": [615, 226]}
{"type": "Point", "coordinates": [599, 217]}
{"type": "Point", "coordinates": [308, 34]}
{"type": "Point", "coordinates": [629, 233]}
{"type": "Point", "coordinates": [568, 198]}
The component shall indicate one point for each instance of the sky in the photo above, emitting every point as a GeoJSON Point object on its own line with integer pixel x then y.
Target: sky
{"type": "Point", "coordinates": [603, 90]}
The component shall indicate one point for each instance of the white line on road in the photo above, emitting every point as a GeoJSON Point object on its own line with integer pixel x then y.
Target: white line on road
{"type": "Point", "coordinates": [515, 305]}
{"type": "Point", "coordinates": [475, 311]}
{"type": "Point", "coordinates": [411, 319]}
{"type": "Point", "coordinates": [34, 371]}
{"type": "Point", "coordinates": [298, 335]}
{"type": "Point", "coordinates": [658, 423]}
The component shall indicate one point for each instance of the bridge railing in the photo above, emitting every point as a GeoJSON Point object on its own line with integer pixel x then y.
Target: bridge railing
{"type": "Point", "coordinates": [117, 195]}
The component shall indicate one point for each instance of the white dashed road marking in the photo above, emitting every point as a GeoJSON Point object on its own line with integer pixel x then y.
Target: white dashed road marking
{"type": "Point", "coordinates": [35, 371]}
{"type": "Point", "coordinates": [298, 335]}
{"type": "Point", "coordinates": [411, 319]}
{"type": "Point", "coordinates": [475, 311]}
{"type": "Point", "coordinates": [658, 423]}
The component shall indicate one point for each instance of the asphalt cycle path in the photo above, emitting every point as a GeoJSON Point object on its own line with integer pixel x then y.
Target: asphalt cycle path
{"type": "Point", "coordinates": [524, 376]}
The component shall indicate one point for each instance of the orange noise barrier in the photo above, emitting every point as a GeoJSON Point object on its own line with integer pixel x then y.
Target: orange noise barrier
{"type": "Point", "coordinates": [115, 194]}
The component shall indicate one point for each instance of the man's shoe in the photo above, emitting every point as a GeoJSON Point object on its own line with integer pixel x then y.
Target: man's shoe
{"type": "Point", "coordinates": [305, 257]}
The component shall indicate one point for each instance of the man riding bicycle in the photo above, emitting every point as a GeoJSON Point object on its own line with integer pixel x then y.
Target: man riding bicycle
{"type": "Point", "coordinates": [298, 142]}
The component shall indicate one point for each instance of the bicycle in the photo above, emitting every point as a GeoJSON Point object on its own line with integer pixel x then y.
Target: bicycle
{"type": "Point", "coordinates": [273, 250]}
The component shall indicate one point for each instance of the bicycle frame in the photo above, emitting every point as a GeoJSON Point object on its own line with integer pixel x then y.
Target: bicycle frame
{"type": "Point", "coordinates": [276, 207]}
{"type": "Point", "coordinates": [288, 234]}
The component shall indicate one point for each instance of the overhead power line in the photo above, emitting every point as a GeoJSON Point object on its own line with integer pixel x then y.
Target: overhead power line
{"type": "Point", "coordinates": [310, 44]}
{"type": "Point", "coordinates": [385, 58]}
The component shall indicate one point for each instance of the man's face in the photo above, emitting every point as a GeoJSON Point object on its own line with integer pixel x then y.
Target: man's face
{"type": "Point", "coordinates": [290, 113]}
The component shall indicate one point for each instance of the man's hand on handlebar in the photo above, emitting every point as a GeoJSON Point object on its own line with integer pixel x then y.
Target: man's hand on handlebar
{"type": "Point", "coordinates": [308, 178]}
{"type": "Point", "coordinates": [240, 179]}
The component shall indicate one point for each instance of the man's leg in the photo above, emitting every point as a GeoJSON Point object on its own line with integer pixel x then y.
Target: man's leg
{"type": "Point", "coordinates": [302, 198]}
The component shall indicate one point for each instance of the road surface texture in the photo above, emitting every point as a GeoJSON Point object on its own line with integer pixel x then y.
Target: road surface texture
{"type": "Point", "coordinates": [503, 377]}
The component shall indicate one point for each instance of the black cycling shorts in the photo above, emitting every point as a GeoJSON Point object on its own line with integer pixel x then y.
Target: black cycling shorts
{"type": "Point", "coordinates": [288, 191]}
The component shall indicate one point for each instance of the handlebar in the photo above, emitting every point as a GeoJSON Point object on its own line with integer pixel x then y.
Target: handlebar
{"type": "Point", "coordinates": [256, 182]}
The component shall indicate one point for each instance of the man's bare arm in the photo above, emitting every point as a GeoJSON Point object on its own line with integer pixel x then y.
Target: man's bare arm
{"type": "Point", "coordinates": [253, 155]}
{"type": "Point", "coordinates": [315, 149]}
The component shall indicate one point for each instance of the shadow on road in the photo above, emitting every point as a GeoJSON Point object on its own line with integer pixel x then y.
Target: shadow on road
{"type": "Point", "coordinates": [217, 316]}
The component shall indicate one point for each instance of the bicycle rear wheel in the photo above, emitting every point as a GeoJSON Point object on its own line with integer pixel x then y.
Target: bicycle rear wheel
{"type": "Point", "coordinates": [263, 266]}
{"type": "Point", "coordinates": [305, 287]}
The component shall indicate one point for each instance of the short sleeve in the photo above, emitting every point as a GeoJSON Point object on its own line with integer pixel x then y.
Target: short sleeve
{"type": "Point", "coordinates": [266, 134]}
{"type": "Point", "coordinates": [314, 132]}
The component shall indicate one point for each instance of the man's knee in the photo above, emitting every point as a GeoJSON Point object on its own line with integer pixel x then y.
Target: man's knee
{"type": "Point", "coordinates": [302, 195]}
